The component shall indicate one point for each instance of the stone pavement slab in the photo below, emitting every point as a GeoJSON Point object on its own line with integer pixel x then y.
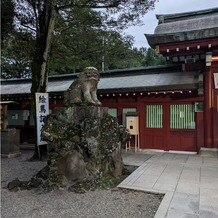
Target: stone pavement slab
{"type": "Point", "coordinates": [208, 203]}
{"type": "Point", "coordinates": [135, 158]}
{"type": "Point", "coordinates": [190, 183]}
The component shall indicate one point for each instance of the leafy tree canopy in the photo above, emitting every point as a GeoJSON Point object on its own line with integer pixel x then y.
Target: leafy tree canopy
{"type": "Point", "coordinates": [16, 55]}
{"type": "Point", "coordinates": [85, 34]}
{"type": "Point", "coordinates": [7, 18]}
{"type": "Point", "coordinates": [152, 58]}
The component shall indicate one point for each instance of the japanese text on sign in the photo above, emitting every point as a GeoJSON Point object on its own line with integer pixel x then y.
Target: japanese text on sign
{"type": "Point", "coordinates": [42, 110]}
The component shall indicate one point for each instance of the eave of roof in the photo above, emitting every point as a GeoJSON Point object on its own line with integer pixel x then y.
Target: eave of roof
{"type": "Point", "coordinates": [153, 81]}
{"type": "Point", "coordinates": [157, 39]}
{"type": "Point", "coordinates": [185, 15]}
{"type": "Point", "coordinates": [8, 102]}
{"type": "Point", "coordinates": [108, 73]}
{"type": "Point", "coordinates": [187, 26]}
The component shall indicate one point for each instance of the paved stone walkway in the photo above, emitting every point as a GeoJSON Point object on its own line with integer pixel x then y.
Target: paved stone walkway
{"type": "Point", "coordinates": [189, 182]}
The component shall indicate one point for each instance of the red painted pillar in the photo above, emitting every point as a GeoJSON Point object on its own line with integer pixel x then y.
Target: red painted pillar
{"type": "Point", "coordinates": [120, 114]}
{"type": "Point", "coordinates": [214, 69]}
{"type": "Point", "coordinates": [141, 111]}
{"type": "Point", "coordinates": [208, 112]}
{"type": "Point", "coordinates": [200, 130]}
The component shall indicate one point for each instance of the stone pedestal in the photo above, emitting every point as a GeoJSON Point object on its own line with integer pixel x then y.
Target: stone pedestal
{"type": "Point", "coordinates": [85, 145]}
{"type": "Point", "coordinates": [10, 140]}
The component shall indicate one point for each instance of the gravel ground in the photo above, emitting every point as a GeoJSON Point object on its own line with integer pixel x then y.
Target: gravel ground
{"type": "Point", "coordinates": [99, 203]}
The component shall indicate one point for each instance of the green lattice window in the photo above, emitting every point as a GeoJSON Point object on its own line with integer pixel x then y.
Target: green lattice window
{"type": "Point", "coordinates": [182, 116]}
{"type": "Point", "coordinates": [154, 116]}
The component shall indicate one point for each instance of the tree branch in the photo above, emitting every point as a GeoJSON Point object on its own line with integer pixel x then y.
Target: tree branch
{"type": "Point", "coordinates": [28, 27]}
{"type": "Point", "coordinates": [36, 15]}
{"type": "Point", "coordinates": [87, 5]}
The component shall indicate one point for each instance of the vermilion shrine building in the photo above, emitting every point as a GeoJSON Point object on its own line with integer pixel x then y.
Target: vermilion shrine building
{"type": "Point", "coordinates": [177, 104]}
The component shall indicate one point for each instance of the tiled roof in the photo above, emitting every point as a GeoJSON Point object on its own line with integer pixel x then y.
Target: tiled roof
{"type": "Point", "coordinates": [112, 82]}
{"type": "Point", "coordinates": [167, 18]}
{"type": "Point", "coordinates": [199, 23]}
{"type": "Point", "coordinates": [150, 81]}
{"type": "Point", "coordinates": [185, 26]}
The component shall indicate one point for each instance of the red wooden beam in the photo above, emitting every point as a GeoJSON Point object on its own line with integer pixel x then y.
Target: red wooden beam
{"type": "Point", "coordinates": [194, 45]}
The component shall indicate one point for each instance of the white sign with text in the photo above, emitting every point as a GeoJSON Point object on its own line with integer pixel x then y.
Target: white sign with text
{"type": "Point", "coordinates": [42, 110]}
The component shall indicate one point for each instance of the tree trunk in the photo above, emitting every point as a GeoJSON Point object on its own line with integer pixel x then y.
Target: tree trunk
{"type": "Point", "coordinates": [40, 61]}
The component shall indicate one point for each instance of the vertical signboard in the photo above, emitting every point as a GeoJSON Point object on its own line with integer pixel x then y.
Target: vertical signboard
{"type": "Point", "coordinates": [42, 110]}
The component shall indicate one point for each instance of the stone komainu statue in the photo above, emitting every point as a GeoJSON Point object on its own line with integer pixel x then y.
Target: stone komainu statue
{"type": "Point", "coordinates": [83, 89]}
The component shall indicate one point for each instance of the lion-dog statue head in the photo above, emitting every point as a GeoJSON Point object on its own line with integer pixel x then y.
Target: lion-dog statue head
{"type": "Point", "coordinates": [84, 88]}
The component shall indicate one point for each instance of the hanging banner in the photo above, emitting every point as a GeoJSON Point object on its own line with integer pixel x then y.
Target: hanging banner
{"type": "Point", "coordinates": [42, 110]}
{"type": "Point", "coordinates": [216, 80]}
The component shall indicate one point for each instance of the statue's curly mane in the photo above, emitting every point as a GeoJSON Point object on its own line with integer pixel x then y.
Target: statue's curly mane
{"type": "Point", "coordinates": [89, 74]}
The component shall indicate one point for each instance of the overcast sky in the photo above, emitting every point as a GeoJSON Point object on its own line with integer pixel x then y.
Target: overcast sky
{"type": "Point", "coordinates": [166, 7]}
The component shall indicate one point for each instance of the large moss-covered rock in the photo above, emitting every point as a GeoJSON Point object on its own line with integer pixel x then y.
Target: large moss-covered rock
{"type": "Point", "coordinates": [85, 145]}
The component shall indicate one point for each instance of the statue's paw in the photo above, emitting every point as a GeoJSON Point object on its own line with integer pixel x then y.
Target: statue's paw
{"type": "Point", "coordinates": [93, 102]}
{"type": "Point", "coordinates": [98, 103]}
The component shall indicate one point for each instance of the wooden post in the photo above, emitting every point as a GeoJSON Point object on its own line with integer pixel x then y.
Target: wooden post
{"type": "Point", "coordinates": [208, 115]}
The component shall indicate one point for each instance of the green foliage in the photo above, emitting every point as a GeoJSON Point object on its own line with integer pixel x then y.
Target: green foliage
{"type": "Point", "coordinates": [7, 18]}
{"type": "Point", "coordinates": [16, 55]}
{"type": "Point", "coordinates": [152, 58]}
{"type": "Point", "coordinates": [82, 36]}
{"type": "Point", "coordinates": [75, 50]}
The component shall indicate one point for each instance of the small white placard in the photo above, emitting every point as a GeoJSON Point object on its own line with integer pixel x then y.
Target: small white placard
{"type": "Point", "coordinates": [26, 114]}
{"type": "Point", "coordinates": [15, 117]}
{"type": "Point", "coordinates": [216, 80]}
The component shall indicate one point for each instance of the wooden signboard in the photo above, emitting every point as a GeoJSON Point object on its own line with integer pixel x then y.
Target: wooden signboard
{"type": "Point", "coordinates": [42, 110]}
